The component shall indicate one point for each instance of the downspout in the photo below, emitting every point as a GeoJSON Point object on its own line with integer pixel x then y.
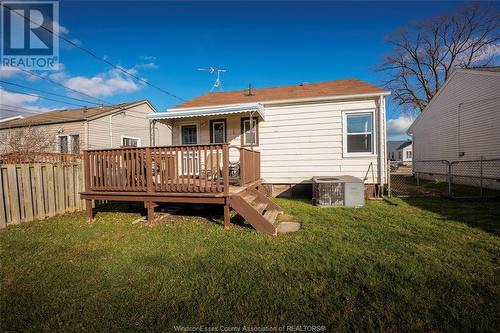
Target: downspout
{"type": "Point", "coordinates": [86, 133]}
{"type": "Point", "coordinates": [251, 130]}
{"type": "Point", "coordinates": [381, 152]}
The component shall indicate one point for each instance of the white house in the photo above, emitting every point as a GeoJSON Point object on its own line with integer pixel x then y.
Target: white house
{"type": "Point", "coordinates": [404, 152]}
{"type": "Point", "coordinates": [462, 123]}
{"type": "Point", "coordinates": [313, 129]}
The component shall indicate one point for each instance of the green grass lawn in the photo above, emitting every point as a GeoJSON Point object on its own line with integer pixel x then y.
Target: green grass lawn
{"type": "Point", "coordinates": [427, 264]}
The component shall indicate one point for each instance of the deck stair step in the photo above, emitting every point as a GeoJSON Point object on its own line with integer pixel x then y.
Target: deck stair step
{"type": "Point", "coordinates": [271, 215]}
{"type": "Point", "coordinates": [249, 196]}
{"type": "Point", "coordinates": [257, 210]}
{"type": "Point", "coordinates": [260, 207]}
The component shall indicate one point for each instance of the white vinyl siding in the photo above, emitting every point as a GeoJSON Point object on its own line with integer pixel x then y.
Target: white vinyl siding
{"type": "Point", "coordinates": [298, 142]}
{"type": "Point", "coordinates": [462, 122]}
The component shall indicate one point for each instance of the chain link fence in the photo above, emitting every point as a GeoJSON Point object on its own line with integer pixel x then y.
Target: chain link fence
{"type": "Point", "coordinates": [453, 179]}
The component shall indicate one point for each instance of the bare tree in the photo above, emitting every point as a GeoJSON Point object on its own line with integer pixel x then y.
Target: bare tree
{"type": "Point", "coordinates": [424, 56]}
{"type": "Point", "coordinates": [27, 141]}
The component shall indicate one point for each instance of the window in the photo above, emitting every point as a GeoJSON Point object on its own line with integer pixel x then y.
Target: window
{"type": "Point", "coordinates": [218, 131]}
{"type": "Point", "coordinates": [63, 144]}
{"type": "Point", "coordinates": [408, 154]}
{"type": "Point", "coordinates": [358, 133]}
{"type": "Point", "coordinates": [128, 141]}
{"type": "Point", "coordinates": [69, 144]}
{"type": "Point", "coordinates": [75, 144]}
{"type": "Point", "coordinates": [189, 134]}
{"type": "Point", "coordinates": [249, 134]}
{"type": "Point", "coordinates": [400, 155]}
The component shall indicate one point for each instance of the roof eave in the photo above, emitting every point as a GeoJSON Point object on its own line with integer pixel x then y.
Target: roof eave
{"type": "Point", "coordinates": [285, 101]}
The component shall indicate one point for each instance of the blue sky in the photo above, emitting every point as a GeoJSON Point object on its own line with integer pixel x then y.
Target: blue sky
{"type": "Point", "coordinates": [266, 43]}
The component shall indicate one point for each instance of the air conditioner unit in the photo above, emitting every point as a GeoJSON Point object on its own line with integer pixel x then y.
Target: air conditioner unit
{"type": "Point", "coordinates": [345, 191]}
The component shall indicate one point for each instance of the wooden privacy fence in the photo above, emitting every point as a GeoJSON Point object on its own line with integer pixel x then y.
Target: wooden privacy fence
{"type": "Point", "coordinates": [17, 158]}
{"type": "Point", "coordinates": [37, 191]}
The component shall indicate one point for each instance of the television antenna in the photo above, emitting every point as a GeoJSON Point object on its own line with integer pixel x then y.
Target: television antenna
{"type": "Point", "coordinates": [212, 70]}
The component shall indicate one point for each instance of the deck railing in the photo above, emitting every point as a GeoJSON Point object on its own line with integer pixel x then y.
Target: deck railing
{"type": "Point", "coordinates": [180, 169]}
{"type": "Point", "coordinates": [249, 166]}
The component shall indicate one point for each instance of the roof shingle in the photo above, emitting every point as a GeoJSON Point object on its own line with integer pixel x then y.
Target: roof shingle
{"type": "Point", "coordinates": [306, 90]}
{"type": "Point", "coordinates": [65, 115]}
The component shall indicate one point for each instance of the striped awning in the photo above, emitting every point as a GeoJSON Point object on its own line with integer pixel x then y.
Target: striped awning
{"type": "Point", "coordinates": [205, 112]}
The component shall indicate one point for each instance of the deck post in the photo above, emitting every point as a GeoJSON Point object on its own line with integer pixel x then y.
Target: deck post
{"type": "Point", "coordinates": [227, 214]}
{"type": "Point", "coordinates": [90, 211]}
{"type": "Point", "coordinates": [150, 211]}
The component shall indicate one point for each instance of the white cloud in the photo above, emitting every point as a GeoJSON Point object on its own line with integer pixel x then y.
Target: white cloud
{"type": "Point", "coordinates": [103, 84]}
{"type": "Point", "coordinates": [147, 62]}
{"type": "Point", "coordinates": [399, 125]}
{"type": "Point", "coordinates": [8, 72]}
{"type": "Point", "coordinates": [15, 99]}
{"type": "Point", "coordinates": [19, 104]}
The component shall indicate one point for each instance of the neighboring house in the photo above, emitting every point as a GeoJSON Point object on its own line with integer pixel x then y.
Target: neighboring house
{"type": "Point", "coordinates": [313, 129]}
{"type": "Point", "coordinates": [92, 128]}
{"type": "Point", "coordinates": [462, 121]}
{"type": "Point", "coordinates": [392, 149]}
{"type": "Point", "coordinates": [404, 152]}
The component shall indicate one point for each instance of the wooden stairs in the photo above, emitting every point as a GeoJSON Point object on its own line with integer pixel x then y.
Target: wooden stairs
{"type": "Point", "coordinates": [257, 209]}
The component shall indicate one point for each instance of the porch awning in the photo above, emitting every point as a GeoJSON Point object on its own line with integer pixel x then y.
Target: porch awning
{"type": "Point", "coordinates": [204, 112]}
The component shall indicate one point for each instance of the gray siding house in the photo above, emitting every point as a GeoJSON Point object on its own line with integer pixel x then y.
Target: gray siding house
{"type": "Point", "coordinates": [93, 128]}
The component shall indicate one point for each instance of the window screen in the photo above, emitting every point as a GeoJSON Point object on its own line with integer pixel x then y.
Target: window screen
{"type": "Point", "coordinates": [359, 133]}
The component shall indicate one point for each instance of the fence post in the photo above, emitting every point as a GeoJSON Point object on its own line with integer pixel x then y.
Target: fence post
{"type": "Point", "coordinates": [450, 189]}
{"type": "Point", "coordinates": [389, 194]}
{"type": "Point", "coordinates": [481, 177]}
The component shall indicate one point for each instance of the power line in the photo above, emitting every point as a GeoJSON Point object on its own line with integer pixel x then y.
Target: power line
{"type": "Point", "coordinates": [46, 92]}
{"type": "Point", "coordinates": [61, 85]}
{"type": "Point", "coordinates": [38, 96]}
{"type": "Point", "coordinates": [91, 53]}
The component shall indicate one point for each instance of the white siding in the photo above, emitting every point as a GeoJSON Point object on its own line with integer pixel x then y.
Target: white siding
{"type": "Point", "coordinates": [106, 132]}
{"type": "Point", "coordinates": [298, 142]}
{"type": "Point", "coordinates": [464, 117]}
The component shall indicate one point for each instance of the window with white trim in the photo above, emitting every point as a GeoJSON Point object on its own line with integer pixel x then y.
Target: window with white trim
{"type": "Point", "coordinates": [189, 134]}
{"type": "Point", "coordinates": [358, 130]}
{"type": "Point", "coordinates": [128, 141]}
{"type": "Point", "coordinates": [218, 131]}
{"type": "Point", "coordinates": [250, 134]}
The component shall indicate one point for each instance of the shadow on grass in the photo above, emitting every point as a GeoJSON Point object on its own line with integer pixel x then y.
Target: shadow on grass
{"type": "Point", "coordinates": [200, 212]}
{"type": "Point", "coordinates": [484, 215]}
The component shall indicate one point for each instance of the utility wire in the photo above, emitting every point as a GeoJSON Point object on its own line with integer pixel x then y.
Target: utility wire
{"type": "Point", "coordinates": [38, 96]}
{"type": "Point", "coordinates": [91, 53]}
{"type": "Point", "coordinates": [46, 92]}
{"type": "Point", "coordinates": [61, 85]}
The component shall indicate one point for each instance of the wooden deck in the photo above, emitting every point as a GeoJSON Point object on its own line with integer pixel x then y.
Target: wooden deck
{"type": "Point", "coordinates": [178, 174]}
